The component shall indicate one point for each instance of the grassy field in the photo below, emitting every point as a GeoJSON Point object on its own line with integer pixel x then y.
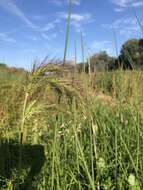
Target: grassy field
{"type": "Point", "coordinates": [92, 137]}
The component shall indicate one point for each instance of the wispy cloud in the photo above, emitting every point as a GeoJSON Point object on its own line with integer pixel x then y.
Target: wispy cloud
{"type": "Point", "coordinates": [13, 9]}
{"type": "Point", "coordinates": [104, 45]}
{"type": "Point", "coordinates": [61, 2]}
{"type": "Point", "coordinates": [30, 50]}
{"type": "Point", "coordinates": [45, 36]}
{"type": "Point", "coordinates": [49, 37]}
{"type": "Point", "coordinates": [39, 17]}
{"type": "Point", "coordinates": [138, 4]}
{"type": "Point", "coordinates": [77, 20]}
{"type": "Point", "coordinates": [122, 5]}
{"type": "Point", "coordinates": [33, 38]}
{"type": "Point", "coordinates": [50, 25]}
{"type": "Point", "coordinates": [127, 27]}
{"type": "Point", "coordinates": [76, 2]}
{"type": "Point", "coordinates": [5, 38]}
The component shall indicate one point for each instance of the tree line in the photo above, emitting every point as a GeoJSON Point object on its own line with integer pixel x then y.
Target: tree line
{"type": "Point", "coordinates": [130, 57]}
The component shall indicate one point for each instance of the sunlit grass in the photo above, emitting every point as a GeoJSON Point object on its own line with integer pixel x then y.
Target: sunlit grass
{"type": "Point", "coordinates": [92, 146]}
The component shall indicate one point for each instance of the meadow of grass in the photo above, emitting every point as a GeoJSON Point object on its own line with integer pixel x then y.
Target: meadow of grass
{"type": "Point", "coordinates": [92, 137]}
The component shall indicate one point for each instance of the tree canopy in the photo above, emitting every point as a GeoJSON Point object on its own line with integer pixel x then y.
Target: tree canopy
{"type": "Point", "coordinates": [131, 55]}
{"type": "Point", "coordinates": [100, 61]}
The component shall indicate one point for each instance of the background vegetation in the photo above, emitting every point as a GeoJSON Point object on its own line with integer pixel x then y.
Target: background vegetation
{"type": "Point", "coordinates": [130, 57]}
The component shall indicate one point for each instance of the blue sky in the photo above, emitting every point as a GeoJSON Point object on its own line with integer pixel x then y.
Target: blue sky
{"type": "Point", "coordinates": [32, 29]}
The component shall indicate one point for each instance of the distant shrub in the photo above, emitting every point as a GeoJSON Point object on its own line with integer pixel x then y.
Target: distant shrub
{"type": "Point", "coordinates": [3, 65]}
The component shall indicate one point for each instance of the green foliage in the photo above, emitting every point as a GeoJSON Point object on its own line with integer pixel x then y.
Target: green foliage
{"type": "Point", "coordinates": [100, 61]}
{"type": "Point", "coordinates": [3, 65]}
{"type": "Point", "coordinates": [131, 56]}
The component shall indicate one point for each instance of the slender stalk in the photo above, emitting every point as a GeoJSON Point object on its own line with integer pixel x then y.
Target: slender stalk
{"type": "Point", "coordinates": [75, 60]}
{"type": "Point", "coordinates": [84, 161]}
{"type": "Point", "coordinates": [92, 154]}
{"type": "Point", "coordinates": [138, 20]}
{"type": "Point", "coordinates": [130, 156]}
{"type": "Point", "coordinates": [23, 130]}
{"type": "Point", "coordinates": [67, 31]}
{"type": "Point", "coordinates": [21, 137]}
{"type": "Point", "coordinates": [82, 50]}
{"type": "Point", "coordinates": [89, 66]}
{"type": "Point", "coordinates": [116, 46]}
{"type": "Point", "coordinates": [53, 159]}
{"type": "Point", "coordinates": [116, 157]}
{"type": "Point", "coordinates": [81, 151]}
{"type": "Point", "coordinates": [138, 142]}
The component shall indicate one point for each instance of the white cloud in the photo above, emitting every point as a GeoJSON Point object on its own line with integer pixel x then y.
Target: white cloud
{"type": "Point", "coordinates": [121, 5]}
{"type": "Point", "coordinates": [80, 17]}
{"type": "Point", "coordinates": [138, 4]}
{"type": "Point", "coordinates": [78, 20]}
{"type": "Point", "coordinates": [103, 46]}
{"type": "Point", "coordinates": [76, 2]}
{"type": "Point", "coordinates": [76, 17]}
{"type": "Point", "coordinates": [125, 27]}
{"type": "Point", "coordinates": [30, 50]}
{"type": "Point", "coordinates": [50, 26]}
{"type": "Point", "coordinates": [61, 2]}
{"type": "Point", "coordinates": [5, 38]}
{"type": "Point", "coordinates": [119, 9]}
{"type": "Point", "coordinates": [33, 38]}
{"type": "Point", "coordinates": [45, 36]}
{"type": "Point", "coordinates": [12, 8]}
{"type": "Point", "coordinates": [39, 17]}
{"type": "Point", "coordinates": [49, 37]}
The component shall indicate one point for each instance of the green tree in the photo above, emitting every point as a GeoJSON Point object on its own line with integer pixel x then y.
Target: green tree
{"type": "Point", "coordinates": [3, 65]}
{"type": "Point", "coordinates": [131, 55]}
{"type": "Point", "coordinates": [101, 61]}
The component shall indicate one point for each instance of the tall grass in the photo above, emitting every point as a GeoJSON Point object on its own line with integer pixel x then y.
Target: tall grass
{"type": "Point", "coordinates": [97, 145]}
